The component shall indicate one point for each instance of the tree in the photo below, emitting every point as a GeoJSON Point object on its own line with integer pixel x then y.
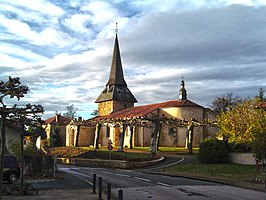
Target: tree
{"type": "Point", "coordinates": [97, 135]}
{"type": "Point", "coordinates": [71, 112]}
{"type": "Point", "coordinates": [13, 89]}
{"type": "Point", "coordinates": [260, 96]}
{"type": "Point", "coordinates": [28, 116]}
{"type": "Point", "coordinates": [95, 113]}
{"type": "Point", "coordinates": [259, 142]}
{"type": "Point", "coordinates": [22, 115]}
{"type": "Point", "coordinates": [225, 103]}
{"type": "Point", "coordinates": [239, 124]}
{"type": "Point", "coordinates": [57, 139]}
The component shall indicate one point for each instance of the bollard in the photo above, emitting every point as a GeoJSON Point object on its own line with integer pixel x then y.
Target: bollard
{"type": "Point", "coordinates": [108, 191]}
{"type": "Point", "coordinates": [100, 188]}
{"type": "Point", "coordinates": [120, 194]}
{"type": "Point", "coordinates": [94, 184]}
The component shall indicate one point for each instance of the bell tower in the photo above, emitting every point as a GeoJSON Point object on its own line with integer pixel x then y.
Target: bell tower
{"type": "Point", "coordinates": [116, 95]}
{"type": "Point", "coordinates": [182, 91]}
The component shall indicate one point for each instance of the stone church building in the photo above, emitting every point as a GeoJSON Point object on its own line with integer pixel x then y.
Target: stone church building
{"type": "Point", "coordinates": [120, 121]}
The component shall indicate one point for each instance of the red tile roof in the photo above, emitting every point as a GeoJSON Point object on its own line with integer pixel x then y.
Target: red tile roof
{"type": "Point", "coordinates": [61, 120]}
{"type": "Point", "coordinates": [141, 111]}
{"type": "Point", "coordinates": [261, 105]}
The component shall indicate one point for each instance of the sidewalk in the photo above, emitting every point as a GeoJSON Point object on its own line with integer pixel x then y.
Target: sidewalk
{"type": "Point", "coordinates": [69, 194]}
{"type": "Point", "coordinates": [67, 187]}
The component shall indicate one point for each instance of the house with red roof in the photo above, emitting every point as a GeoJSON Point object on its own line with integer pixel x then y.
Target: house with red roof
{"type": "Point", "coordinates": [57, 122]}
{"type": "Point", "coordinates": [80, 133]}
{"type": "Point", "coordinates": [262, 105]}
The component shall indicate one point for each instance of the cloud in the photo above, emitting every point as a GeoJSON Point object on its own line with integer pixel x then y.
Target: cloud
{"type": "Point", "coordinates": [102, 12]}
{"type": "Point", "coordinates": [13, 55]}
{"type": "Point", "coordinates": [41, 6]}
{"type": "Point", "coordinates": [65, 54]}
{"type": "Point", "coordinates": [78, 23]}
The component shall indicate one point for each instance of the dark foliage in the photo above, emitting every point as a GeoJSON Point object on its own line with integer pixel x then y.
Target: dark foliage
{"type": "Point", "coordinates": [213, 151]}
{"type": "Point", "coordinates": [245, 147]}
{"type": "Point", "coordinates": [57, 138]}
{"type": "Point", "coordinates": [225, 103]}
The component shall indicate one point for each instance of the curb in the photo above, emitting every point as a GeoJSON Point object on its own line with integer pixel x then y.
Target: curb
{"type": "Point", "coordinates": [121, 164]}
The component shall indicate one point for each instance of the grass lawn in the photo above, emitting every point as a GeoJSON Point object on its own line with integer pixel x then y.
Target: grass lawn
{"type": "Point", "coordinates": [103, 152]}
{"type": "Point", "coordinates": [233, 174]}
{"type": "Point", "coordinates": [168, 149]}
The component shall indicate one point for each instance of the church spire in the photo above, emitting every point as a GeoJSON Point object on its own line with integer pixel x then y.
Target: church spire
{"type": "Point", "coordinates": [116, 95]}
{"type": "Point", "coordinates": [116, 73]}
{"type": "Point", "coordinates": [182, 91]}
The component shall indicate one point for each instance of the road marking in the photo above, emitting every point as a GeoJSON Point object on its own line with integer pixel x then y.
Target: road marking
{"type": "Point", "coordinates": [125, 175]}
{"type": "Point", "coordinates": [168, 165]}
{"type": "Point", "coordinates": [74, 173]}
{"type": "Point", "coordinates": [142, 179]}
{"type": "Point", "coordinates": [106, 172]}
{"type": "Point", "coordinates": [125, 170]}
{"type": "Point", "coordinates": [163, 184]}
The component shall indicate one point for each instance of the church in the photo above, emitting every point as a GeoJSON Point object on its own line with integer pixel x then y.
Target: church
{"type": "Point", "coordinates": [125, 124]}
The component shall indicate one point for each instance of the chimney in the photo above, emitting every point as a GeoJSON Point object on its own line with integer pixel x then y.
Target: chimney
{"type": "Point", "coordinates": [57, 118]}
{"type": "Point", "coordinates": [79, 119]}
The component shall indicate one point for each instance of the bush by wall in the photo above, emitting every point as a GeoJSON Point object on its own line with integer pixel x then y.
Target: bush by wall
{"type": "Point", "coordinates": [213, 151]}
{"type": "Point", "coordinates": [244, 147]}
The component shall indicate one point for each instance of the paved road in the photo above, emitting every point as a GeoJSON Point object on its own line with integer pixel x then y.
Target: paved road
{"type": "Point", "coordinates": [139, 185]}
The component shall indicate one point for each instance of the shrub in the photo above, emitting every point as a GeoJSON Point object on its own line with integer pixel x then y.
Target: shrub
{"type": "Point", "coordinates": [57, 139]}
{"type": "Point", "coordinates": [29, 149]}
{"type": "Point", "coordinates": [213, 151]}
{"type": "Point", "coordinates": [245, 147]}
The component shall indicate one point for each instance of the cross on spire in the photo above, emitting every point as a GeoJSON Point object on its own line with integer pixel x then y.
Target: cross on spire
{"type": "Point", "coordinates": [116, 28]}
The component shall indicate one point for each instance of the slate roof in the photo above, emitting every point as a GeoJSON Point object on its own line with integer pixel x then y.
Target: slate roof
{"type": "Point", "coordinates": [141, 111]}
{"type": "Point", "coordinates": [61, 120]}
{"type": "Point", "coordinates": [116, 76]}
{"type": "Point", "coordinates": [116, 87]}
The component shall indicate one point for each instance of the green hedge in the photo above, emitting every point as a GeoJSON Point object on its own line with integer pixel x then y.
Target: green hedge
{"type": "Point", "coordinates": [245, 147]}
{"type": "Point", "coordinates": [213, 151]}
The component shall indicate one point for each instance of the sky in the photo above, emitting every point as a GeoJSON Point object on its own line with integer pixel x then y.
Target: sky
{"type": "Point", "coordinates": [62, 49]}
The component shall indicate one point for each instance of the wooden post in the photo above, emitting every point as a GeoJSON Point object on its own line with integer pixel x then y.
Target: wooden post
{"type": "Point", "coordinates": [94, 184]}
{"type": "Point", "coordinates": [120, 194]}
{"type": "Point", "coordinates": [54, 166]}
{"type": "Point", "coordinates": [108, 191]}
{"type": "Point", "coordinates": [100, 188]}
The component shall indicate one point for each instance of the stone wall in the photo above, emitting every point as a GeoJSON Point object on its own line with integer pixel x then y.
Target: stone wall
{"type": "Point", "coordinates": [107, 163]}
{"type": "Point", "coordinates": [242, 158]}
{"type": "Point", "coordinates": [105, 108]}
{"type": "Point", "coordinates": [86, 136]}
